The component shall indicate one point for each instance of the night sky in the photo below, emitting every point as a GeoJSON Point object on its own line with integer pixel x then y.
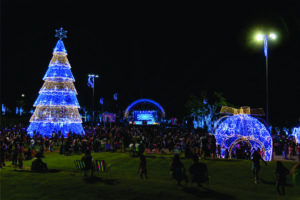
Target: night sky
{"type": "Point", "coordinates": [160, 50]}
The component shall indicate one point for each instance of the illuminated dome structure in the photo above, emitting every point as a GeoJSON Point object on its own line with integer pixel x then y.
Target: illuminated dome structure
{"type": "Point", "coordinates": [230, 130]}
{"type": "Point", "coordinates": [144, 111]}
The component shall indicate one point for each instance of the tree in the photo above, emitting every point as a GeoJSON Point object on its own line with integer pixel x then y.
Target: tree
{"type": "Point", "coordinates": [204, 108]}
{"type": "Point", "coordinates": [57, 105]}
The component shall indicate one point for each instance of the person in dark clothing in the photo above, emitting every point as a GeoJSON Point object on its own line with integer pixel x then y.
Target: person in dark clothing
{"type": "Point", "coordinates": [256, 164]}
{"type": "Point", "coordinates": [88, 161]}
{"type": "Point", "coordinates": [38, 165]}
{"type": "Point", "coordinates": [203, 146]}
{"type": "Point", "coordinates": [198, 171]}
{"type": "Point", "coordinates": [27, 154]}
{"type": "Point", "coordinates": [15, 156]}
{"type": "Point", "coordinates": [177, 169]}
{"type": "Point", "coordinates": [281, 173]}
{"type": "Point", "coordinates": [213, 147]}
{"type": "Point", "coordinates": [2, 154]}
{"type": "Point", "coordinates": [143, 167]}
{"type": "Point", "coordinates": [188, 152]}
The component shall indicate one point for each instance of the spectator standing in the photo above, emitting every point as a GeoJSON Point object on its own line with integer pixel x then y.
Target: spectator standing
{"type": "Point", "coordinates": [20, 155]}
{"type": "Point", "coordinates": [291, 151]}
{"type": "Point", "coordinates": [177, 169]}
{"type": "Point", "coordinates": [2, 154]}
{"type": "Point", "coordinates": [198, 171]}
{"type": "Point", "coordinates": [143, 167]}
{"type": "Point", "coordinates": [15, 156]}
{"type": "Point", "coordinates": [88, 161]}
{"type": "Point", "coordinates": [281, 173]}
{"type": "Point", "coordinates": [213, 147]}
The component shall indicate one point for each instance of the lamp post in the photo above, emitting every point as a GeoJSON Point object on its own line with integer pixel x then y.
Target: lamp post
{"type": "Point", "coordinates": [266, 37]}
{"type": "Point", "coordinates": [91, 83]}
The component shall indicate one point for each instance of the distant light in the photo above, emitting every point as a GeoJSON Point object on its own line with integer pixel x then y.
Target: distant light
{"type": "Point", "coordinates": [22, 95]}
{"type": "Point", "coordinates": [273, 36]}
{"type": "Point", "coordinates": [259, 37]}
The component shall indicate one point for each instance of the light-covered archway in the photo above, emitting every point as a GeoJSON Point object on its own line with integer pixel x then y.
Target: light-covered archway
{"type": "Point", "coordinates": [230, 130]}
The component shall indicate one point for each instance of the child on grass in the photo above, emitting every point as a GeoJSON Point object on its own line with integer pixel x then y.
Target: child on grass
{"type": "Point", "coordinates": [256, 164]}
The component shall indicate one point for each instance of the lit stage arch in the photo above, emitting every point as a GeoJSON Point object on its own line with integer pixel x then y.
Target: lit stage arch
{"type": "Point", "coordinates": [144, 111]}
{"type": "Point", "coordinates": [230, 130]}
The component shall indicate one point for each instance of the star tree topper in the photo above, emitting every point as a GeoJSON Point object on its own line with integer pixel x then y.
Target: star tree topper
{"type": "Point", "coordinates": [61, 33]}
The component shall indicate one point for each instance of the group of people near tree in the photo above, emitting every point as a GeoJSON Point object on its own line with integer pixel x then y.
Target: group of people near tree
{"type": "Point", "coordinates": [13, 141]}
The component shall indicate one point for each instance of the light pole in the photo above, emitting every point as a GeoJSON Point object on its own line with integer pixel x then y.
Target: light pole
{"type": "Point", "coordinates": [266, 37]}
{"type": "Point", "coordinates": [91, 83]}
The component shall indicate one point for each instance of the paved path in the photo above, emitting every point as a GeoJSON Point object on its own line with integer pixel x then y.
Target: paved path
{"type": "Point", "coordinates": [280, 157]}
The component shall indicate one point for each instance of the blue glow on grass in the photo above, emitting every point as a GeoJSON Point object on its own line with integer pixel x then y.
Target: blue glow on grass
{"type": "Point", "coordinates": [244, 127]}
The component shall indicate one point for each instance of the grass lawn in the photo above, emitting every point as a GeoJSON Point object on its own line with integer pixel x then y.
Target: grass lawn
{"type": "Point", "coordinates": [230, 179]}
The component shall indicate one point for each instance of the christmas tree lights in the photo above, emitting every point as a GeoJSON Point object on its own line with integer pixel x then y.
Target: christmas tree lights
{"type": "Point", "coordinates": [57, 105]}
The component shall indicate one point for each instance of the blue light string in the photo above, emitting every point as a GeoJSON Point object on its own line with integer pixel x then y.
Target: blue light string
{"type": "Point", "coordinates": [247, 127]}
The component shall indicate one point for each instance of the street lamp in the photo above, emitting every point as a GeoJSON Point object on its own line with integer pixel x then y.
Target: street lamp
{"type": "Point", "coordinates": [266, 37]}
{"type": "Point", "coordinates": [91, 83]}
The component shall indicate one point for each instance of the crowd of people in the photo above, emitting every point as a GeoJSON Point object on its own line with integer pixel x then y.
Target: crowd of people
{"type": "Point", "coordinates": [97, 139]}
{"type": "Point", "coordinates": [195, 143]}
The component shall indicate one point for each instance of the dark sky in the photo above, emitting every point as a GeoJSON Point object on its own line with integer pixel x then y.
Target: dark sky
{"type": "Point", "coordinates": [161, 50]}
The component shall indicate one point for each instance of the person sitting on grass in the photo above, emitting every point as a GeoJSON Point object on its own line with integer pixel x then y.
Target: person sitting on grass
{"type": "Point", "coordinates": [38, 165]}
{"type": "Point", "coordinates": [280, 173]}
{"type": "Point", "coordinates": [256, 164]}
{"type": "Point", "coordinates": [198, 171]}
{"type": "Point", "coordinates": [88, 161]}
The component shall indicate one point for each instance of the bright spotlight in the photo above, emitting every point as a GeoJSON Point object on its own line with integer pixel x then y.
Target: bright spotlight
{"type": "Point", "coordinates": [259, 37]}
{"type": "Point", "coordinates": [273, 36]}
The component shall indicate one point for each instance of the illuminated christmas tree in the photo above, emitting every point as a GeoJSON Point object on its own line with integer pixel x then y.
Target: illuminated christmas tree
{"type": "Point", "coordinates": [57, 105]}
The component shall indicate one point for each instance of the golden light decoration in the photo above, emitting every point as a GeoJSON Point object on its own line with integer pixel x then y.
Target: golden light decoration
{"type": "Point", "coordinates": [242, 110]}
{"type": "Point", "coordinates": [55, 86]}
{"type": "Point", "coordinates": [56, 114]}
{"type": "Point", "coordinates": [60, 59]}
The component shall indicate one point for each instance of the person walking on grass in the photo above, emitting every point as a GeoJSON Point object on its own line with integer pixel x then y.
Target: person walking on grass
{"type": "Point", "coordinates": [280, 173]}
{"type": "Point", "coordinates": [143, 167]}
{"type": "Point", "coordinates": [256, 157]}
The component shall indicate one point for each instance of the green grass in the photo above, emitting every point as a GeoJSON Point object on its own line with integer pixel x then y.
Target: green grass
{"type": "Point", "coordinates": [230, 179]}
